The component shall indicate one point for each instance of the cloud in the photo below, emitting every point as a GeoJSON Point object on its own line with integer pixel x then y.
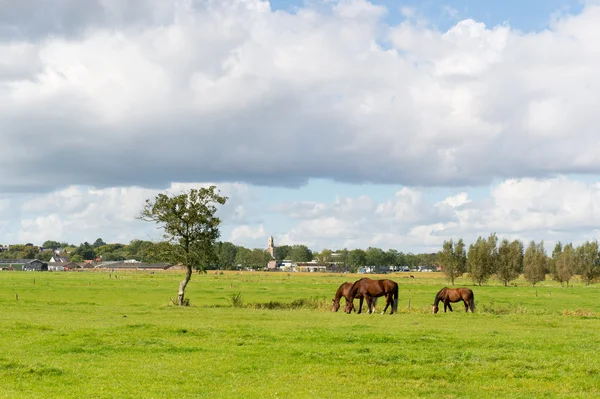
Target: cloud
{"type": "Point", "coordinates": [410, 220]}
{"type": "Point", "coordinates": [79, 214]}
{"type": "Point", "coordinates": [118, 94]}
{"type": "Point", "coordinates": [527, 209]}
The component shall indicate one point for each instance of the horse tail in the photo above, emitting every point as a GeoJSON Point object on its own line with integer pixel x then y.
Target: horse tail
{"type": "Point", "coordinates": [395, 300]}
{"type": "Point", "coordinates": [472, 303]}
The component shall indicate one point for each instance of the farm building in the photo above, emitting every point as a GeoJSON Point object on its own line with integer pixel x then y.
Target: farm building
{"type": "Point", "coordinates": [35, 266]}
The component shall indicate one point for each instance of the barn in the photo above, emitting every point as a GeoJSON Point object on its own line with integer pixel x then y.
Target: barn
{"type": "Point", "coordinates": [35, 265]}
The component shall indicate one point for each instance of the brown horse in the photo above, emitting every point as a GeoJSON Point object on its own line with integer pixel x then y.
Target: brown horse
{"type": "Point", "coordinates": [448, 295]}
{"type": "Point", "coordinates": [341, 292]}
{"type": "Point", "coordinates": [368, 289]}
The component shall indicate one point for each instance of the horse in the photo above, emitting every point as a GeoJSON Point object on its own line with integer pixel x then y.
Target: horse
{"type": "Point", "coordinates": [448, 295]}
{"type": "Point", "coordinates": [342, 292]}
{"type": "Point", "coordinates": [368, 289]}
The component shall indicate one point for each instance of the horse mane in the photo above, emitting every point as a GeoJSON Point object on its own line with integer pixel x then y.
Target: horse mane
{"type": "Point", "coordinates": [439, 294]}
{"type": "Point", "coordinates": [340, 292]}
{"type": "Point", "coordinates": [354, 288]}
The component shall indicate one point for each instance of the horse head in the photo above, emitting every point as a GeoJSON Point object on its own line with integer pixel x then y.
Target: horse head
{"type": "Point", "coordinates": [435, 309]}
{"type": "Point", "coordinates": [349, 307]}
{"type": "Point", "coordinates": [336, 305]}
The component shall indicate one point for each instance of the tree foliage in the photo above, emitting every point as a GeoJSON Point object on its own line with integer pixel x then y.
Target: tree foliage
{"type": "Point", "coordinates": [453, 259]}
{"type": "Point", "coordinates": [564, 266]}
{"type": "Point", "coordinates": [357, 258]}
{"type": "Point", "coordinates": [482, 258]}
{"type": "Point", "coordinates": [535, 263]}
{"type": "Point", "coordinates": [510, 261]}
{"type": "Point", "coordinates": [588, 261]}
{"type": "Point", "coordinates": [226, 254]}
{"type": "Point", "coordinates": [300, 253]}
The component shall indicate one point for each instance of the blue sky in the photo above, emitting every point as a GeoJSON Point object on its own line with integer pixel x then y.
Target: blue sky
{"type": "Point", "coordinates": [526, 15]}
{"type": "Point", "coordinates": [474, 117]}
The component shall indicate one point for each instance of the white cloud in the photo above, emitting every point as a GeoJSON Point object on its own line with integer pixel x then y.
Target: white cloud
{"type": "Point", "coordinates": [130, 98]}
{"type": "Point", "coordinates": [246, 233]}
{"type": "Point", "coordinates": [549, 209]}
{"type": "Point", "coordinates": [232, 91]}
{"type": "Point", "coordinates": [410, 220]}
{"type": "Point", "coordinates": [84, 214]}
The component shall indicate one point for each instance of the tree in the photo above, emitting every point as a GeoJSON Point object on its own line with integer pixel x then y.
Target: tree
{"type": "Point", "coordinates": [510, 261]}
{"type": "Point", "coordinates": [259, 258]}
{"type": "Point", "coordinates": [482, 258]}
{"type": "Point", "coordinates": [190, 225]}
{"type": "Point", "coordinates": [300, 253]}
{"type": "Point", "coordinates": [325, 256]}
{"type": "Point", "coordinates": [98, 243]}
{"type": "Point", "coordinates": [452, 258]}
{"type": "Point", "coordinates": [535, 263]}
{"type": "Point", "coordinates": [558, 248]}
{"type": "Point", "coordinates": [588, 261]}
{"type": "Point", "coordinates": [376, 257]}
{"type": "Point", "coordinates": [243, 257]}
{"type": "Point", "coordinates": [86, 251]}
{"type": "Point", "coordinates": [44, 256]}
{"type": "Point", "coordinates": [396, 258]}
{"type": "Point", "coordinates": [356, 259]}
{"type": "Point", "coordinates": [226, 253]}
{"type": "Point", "coordinates": [54, 244]}
{"type": "Point", "coordinates": [412, 260]}
{"type": "Point", "coordinates": [564, 266]}
{"type": "Point", "coordinates": [282, 252]}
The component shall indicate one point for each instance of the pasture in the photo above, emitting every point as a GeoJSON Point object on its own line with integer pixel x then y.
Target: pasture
{"type": "Point", "coordinates": [74, 335]}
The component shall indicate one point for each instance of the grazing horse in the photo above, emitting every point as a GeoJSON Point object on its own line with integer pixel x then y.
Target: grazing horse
{"type": "Point", "coordinates": [342, 292]}
{"type": "Point", "coordinates": [368, 289]}
{"type": "Point", "coordinates": [448, 295]}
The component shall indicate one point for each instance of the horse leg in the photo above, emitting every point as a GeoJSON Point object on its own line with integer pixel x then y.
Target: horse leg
{"type": "Point", "coordinates": [466, 306]}
{"type": "Point", "coordinates": [360, 302]}
{"type": "Point", "coordinates": [388, 300]}
{"type": "Point", "coordinates": [371, 304]}
{"type": "Point", "coordinates": [447, 305]}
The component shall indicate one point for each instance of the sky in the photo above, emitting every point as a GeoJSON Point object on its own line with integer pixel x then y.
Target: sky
{"type": "Point", "coordinates": [328, 123]}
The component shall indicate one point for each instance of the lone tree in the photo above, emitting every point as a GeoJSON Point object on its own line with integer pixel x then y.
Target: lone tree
{"type": "Point", "coordinates": [190, 227]}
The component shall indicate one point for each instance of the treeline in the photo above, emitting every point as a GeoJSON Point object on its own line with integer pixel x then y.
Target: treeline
{"type": "Point", "coordinates": [226, 255]}
{"type": "Point", "coordinates": [506, 260]}
{"type": "Point", "coordinates": [230, 255]}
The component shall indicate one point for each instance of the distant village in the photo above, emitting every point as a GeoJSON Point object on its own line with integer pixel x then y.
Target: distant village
{"type": "Point", "coordinates": [68, 258]}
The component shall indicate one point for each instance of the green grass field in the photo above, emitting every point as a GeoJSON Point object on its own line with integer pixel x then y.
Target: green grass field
{"type": "Point", "coordinates": [89, 335]}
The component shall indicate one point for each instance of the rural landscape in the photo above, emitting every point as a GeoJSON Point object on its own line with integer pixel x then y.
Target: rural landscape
{"type": "Point", "coordinates": [299, 199]}
{"type": "Point", "coordinates": [268, 335]}
{"type": "Point", "coordinates": [528, 327]}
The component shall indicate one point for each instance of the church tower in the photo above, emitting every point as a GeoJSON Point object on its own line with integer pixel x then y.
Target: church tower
{"type": "Point", "coordinates": [271, 247]}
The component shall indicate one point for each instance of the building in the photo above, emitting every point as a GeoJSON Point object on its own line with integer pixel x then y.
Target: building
{"type": "Point", "coordinates": [59, 259]}
{"type": "Point", "coordinates": [35, 265]}
{"type": "Point", "coordinates": [271, 247]}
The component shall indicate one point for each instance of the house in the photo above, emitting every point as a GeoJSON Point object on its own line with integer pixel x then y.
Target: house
{"type": "Point", "coordinates": [59, 259]}
{"type": "Point", "coordinates": [310, 267]}
{"type": "Point", "coordinates": [62, 266]}
{"type": "Point", "coordinates": [4, 247]}
{"type": "Point", "coordinates": [35, 265]}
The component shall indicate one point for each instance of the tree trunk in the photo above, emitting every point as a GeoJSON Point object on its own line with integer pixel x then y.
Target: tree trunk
{"type": "Point", "coordinates": [183, 284]}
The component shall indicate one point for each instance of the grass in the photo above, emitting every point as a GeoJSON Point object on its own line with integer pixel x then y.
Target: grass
{"type": "Point", "coordinates": [260, 335]}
